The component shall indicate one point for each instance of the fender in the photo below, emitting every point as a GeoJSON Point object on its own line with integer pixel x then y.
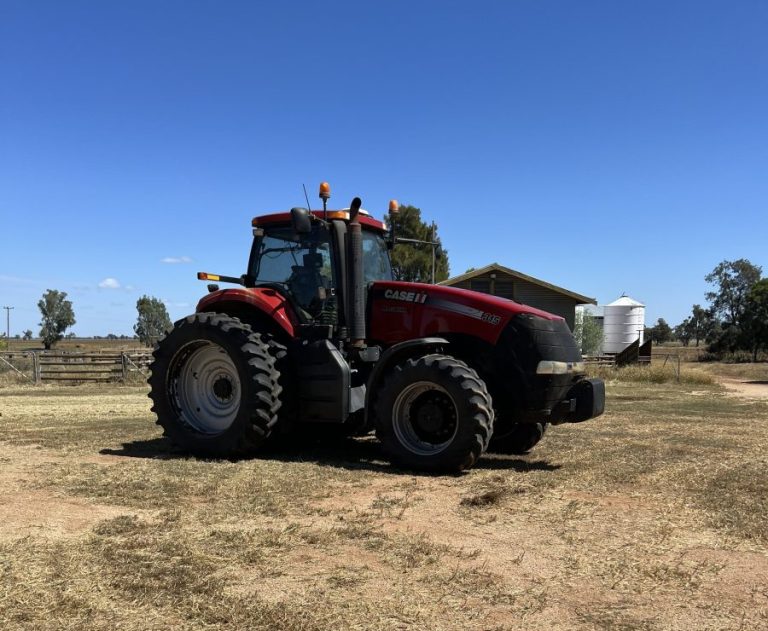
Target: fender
{"type": "Point", "coordinates": [263, 299]}
{"type": "Point", "coordinates": [392, 356]}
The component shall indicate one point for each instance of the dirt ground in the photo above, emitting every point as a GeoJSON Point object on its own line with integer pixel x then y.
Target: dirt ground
{"type": "Point", "coordinates": [651, 517]}
{"type": "Point", "coordinates": [749, 389]}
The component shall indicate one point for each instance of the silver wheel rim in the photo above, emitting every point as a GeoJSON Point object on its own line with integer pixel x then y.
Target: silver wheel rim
{"type": "Point", "coordinates": [206, 387]}
{"type": "Point", "coordinates": [403, 421]}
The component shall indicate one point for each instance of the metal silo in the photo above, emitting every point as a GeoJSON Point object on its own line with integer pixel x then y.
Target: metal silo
{"type": "Point", "coordinates": [624, 323]}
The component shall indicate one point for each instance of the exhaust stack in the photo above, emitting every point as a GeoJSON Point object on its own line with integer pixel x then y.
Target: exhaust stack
{"type": "Point", "coordinates": [356, 279]}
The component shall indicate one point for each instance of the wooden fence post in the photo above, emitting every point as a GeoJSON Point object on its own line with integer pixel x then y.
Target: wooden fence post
{"type": "Point", "coordinates": [124, 365]}
{"type": "Point", "coordinates": [36, 368]}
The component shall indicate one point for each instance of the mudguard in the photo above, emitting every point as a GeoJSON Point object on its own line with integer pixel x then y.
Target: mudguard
{"type": "Point", "coordinates": [268, 301]}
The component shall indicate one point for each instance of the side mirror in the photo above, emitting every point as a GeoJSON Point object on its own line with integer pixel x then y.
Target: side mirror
{"type": "Point", "coordinates": [301, 221]}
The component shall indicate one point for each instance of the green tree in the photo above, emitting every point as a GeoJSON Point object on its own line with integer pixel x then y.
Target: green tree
{"type": "Point", "coordinates": [411, 261]}
{"type": "Point", "coordinates": [755, 322]}
{"type": "Point", "coordinates": [58, 316]}
{"type": "Point", "coordinates": [697, 327]}
{"type": "Point", "coordinates": [588, 333]}
{"type": "Point", "coordinates": [702, 322]}
{"type": "Point", "coordinates": [153, 321]}
{"type": "Point", "coordinates": [683, 332]}
{"type": "Point", "coordinates": [661, 331]}
{"type": "Point", "coordinates": [733, 280]}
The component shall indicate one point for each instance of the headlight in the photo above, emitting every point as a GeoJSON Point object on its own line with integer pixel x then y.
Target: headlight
{"type": "Point", "coordinates": [547, 367]}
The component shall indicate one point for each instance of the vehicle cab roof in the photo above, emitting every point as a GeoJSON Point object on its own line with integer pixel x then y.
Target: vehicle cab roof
{"type": "Point", "coordinates": [343, 214]}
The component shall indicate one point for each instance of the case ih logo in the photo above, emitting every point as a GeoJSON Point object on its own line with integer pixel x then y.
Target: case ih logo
{"type": "Point", "coordinates": [420, 297]}
{"type": "Point", "coordinates": [407, 296]}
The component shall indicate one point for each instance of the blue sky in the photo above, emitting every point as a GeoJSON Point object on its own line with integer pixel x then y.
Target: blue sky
{"type": "Point", "coordinates": [607, 147]}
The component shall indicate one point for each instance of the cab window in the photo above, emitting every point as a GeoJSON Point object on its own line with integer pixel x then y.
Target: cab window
{"type": "Point", "coordinates": [302, 266]}
{"type": "Point", "coordinates": [376, 265]}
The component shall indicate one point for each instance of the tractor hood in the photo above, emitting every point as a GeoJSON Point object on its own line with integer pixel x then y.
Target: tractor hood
{"type": "Point", "coordinates": [400, 311]}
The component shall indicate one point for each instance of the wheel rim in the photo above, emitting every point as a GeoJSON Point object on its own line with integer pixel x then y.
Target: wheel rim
{"type": "Point", "coordinates": [425, 418]}
{"type": "Point", "coordinates": [205, 387]}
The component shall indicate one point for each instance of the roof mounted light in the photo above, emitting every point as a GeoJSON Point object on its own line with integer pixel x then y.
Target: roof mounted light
{"type": "Point", "coordinates": [394, 207]}
{"type": "Point", "coordinates": [325, 191]}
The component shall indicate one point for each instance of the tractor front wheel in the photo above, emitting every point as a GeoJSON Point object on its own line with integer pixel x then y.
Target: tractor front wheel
{"type": "Point", "coordinates": [434, 413]}
{"type": "Point", "coordinates": [214, 386]}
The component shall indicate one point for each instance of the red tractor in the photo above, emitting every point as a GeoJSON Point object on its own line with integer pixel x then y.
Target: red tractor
{"type": "Point", "coordinates": [320, 335]}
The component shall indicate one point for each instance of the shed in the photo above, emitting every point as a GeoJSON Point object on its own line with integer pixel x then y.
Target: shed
{"type": "Point", "coordinates": [504, 282]}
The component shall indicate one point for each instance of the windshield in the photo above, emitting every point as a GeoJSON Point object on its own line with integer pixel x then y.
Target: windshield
{"type": "Point", "coordinates": [301, 265]}
{"type": "Point", "coordinates": [376, 265]}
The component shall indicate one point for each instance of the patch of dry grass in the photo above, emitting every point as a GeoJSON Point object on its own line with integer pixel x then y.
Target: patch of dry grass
{"type": "Point", "coordinates": [747, 372]}
{"type": "Point", "coordinates": [654, 373]}
{"type": "Point", "coordinates": [652, 516]}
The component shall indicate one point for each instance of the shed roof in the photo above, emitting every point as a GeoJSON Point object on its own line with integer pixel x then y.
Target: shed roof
{"type": "Point", "coordinates": [495, 267]}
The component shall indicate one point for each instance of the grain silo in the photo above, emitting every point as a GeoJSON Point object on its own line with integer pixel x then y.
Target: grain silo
{"type": "Point", "coordinates": [623, 323]}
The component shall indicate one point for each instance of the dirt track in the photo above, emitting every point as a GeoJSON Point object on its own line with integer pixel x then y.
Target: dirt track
{"type": "Point", "coordinates": [750, 389]}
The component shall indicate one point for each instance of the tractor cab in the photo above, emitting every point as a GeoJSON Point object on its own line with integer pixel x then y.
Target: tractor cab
{"type": "Point", "coordinates": [309, 266]}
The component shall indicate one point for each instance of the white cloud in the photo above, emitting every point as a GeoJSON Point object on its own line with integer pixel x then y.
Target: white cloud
{"type": "Point", "coordinates": [176, 259]}
{"type": "Point", "coordinates": [110, 283]}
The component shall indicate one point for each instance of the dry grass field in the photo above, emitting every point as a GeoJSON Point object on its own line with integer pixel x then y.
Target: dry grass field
{"type": "Point", "coordinates": [650, 517]}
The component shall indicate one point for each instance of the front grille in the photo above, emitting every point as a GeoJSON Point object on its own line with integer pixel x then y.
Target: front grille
{"type": "Point", "coordinates": [525, 341]}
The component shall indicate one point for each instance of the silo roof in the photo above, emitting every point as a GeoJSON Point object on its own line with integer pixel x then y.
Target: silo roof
{"type": "Point", "coordinates": [625, 301]}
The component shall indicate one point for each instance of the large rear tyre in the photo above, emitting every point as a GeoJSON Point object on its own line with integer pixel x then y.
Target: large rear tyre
{"type": "Point", "coordinates": [434, 413]}
{"type": "Point", "coordinates": [214, 386]}
{"type": "Point", "coordinates": [519, 439]}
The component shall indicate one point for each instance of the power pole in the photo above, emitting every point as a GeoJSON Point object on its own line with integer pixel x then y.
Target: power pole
{"type": "Point", "coordinates": [433, 252]}
{"type": "Point", "coordinates": [8, 327]}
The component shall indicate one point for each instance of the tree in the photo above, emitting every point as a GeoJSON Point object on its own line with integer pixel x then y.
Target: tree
{"type": "Point", "coordinates": [733, 281]}
{"type": "Point", "coordinates": [698, 326]}
{"type": "Point", "coordinates": [412, 261]}
{"type": "Point", "coordinates": [661, 331]}
{"type": "Point", "coordinates": [702, 321]}
{"type": "Point", "coordinates": [153, 321]}
{"type": "Point", "coordinates": [755, 324]}
{"type": "Point", "coordinates": [588, 333]}
{"type": "Point", "coordinates": [58, 316]}
{"type": "Point", "coordinates": [683, 331]}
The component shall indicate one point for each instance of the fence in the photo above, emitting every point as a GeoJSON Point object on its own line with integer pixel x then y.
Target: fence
{"type": "Point", "coordinates": [635, 353]}
{"type": "Point", "coordinates": [76, 367]}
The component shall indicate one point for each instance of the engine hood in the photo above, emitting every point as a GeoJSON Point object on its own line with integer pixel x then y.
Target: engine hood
{"type": "Point", "coordinates": [402, 310]}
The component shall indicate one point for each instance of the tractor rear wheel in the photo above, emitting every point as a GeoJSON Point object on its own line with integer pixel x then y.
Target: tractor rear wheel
{"type": "Point", "coordinates": [214, 386]}
{"type": "Point", "coordinates": [434, 413]}
{"type": "Point", "coordinates": [519, 439]}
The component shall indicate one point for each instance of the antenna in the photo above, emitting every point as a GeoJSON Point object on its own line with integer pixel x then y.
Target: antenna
{"type": "Point", "coordinates": [309, 208]}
